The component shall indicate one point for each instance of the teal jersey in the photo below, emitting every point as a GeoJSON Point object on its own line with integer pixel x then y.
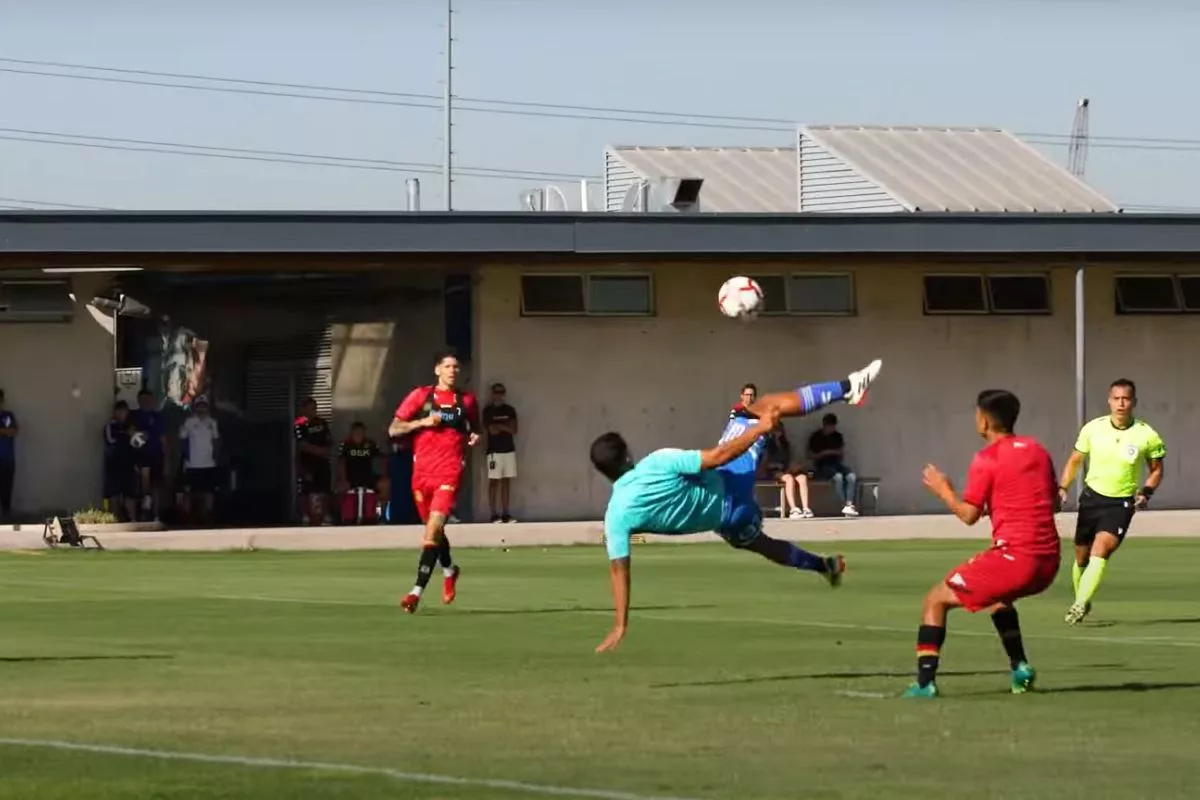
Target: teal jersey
{"type": "Point", "coordinates": [666, 493]}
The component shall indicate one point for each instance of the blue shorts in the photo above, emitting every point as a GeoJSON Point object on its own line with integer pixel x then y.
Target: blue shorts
{"type": "Point", "coordinates": [741, 518]}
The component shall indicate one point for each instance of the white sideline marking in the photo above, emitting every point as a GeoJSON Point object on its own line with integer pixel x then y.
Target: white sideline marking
{"type": "Point", "coordinates": [871, 695]}
{"type": "Point", "coordinates": [325, 766]}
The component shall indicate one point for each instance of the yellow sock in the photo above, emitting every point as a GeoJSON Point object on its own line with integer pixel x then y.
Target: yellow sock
{"type": "Point", "coordinates": [1089, 582]}
{"type": "Point", "coordinates": [1076, 574]}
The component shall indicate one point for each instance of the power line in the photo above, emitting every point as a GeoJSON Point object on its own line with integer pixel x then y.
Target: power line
{"type": "Point", "coordinates": [519, 107]}
{"type": "Point", "coordinates": [27, 202]}
{"type": "Point", "coordinates": [269, 156]}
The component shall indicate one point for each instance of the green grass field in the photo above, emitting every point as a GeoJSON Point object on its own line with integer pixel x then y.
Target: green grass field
{"type": "Point", "coordinates": [738, 679]}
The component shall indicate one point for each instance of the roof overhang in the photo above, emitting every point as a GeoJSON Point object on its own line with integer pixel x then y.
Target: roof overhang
{"type": "Point", "coordinates": [121, 235]}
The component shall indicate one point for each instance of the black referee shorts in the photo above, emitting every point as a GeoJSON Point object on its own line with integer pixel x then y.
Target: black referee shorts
{"type": "Point", "coordinates": [1101, 514]}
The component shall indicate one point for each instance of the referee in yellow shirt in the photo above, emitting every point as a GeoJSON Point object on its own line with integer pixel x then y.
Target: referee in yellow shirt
{"type": "Point", "coordinates": [1115, 447]}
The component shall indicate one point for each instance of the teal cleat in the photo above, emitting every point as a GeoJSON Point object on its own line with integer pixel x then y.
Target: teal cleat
{"type": "Point", "coordinates": [928, 692]}
{"type": "Point", "coordinates": [1023, 678]}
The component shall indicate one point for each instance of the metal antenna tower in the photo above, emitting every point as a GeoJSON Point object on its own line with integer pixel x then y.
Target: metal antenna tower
{"type": "Point", "coordinates": [1078, 149]}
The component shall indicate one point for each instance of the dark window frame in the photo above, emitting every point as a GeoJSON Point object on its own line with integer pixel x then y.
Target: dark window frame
{"type": "Point", "coordinates": [1122, 308]}
{"type": "Point", "coordinates": [983, 311]}
{"type": "Point", "coordinates": [787, 282]}
{"type": "Point", "coordinates": [586, 280]}
{"type": "Point", "coordinates": [12, 312]}
{"type": "Point", "coordinates": [1045, 310]}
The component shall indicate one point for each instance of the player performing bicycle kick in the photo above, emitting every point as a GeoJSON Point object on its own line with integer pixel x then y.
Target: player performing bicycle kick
{"type": "Point", "coordinates": [675, 492]}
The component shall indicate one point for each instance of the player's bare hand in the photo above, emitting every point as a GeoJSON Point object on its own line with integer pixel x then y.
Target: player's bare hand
{"type": "Point", "coordinates": [1141, 501]}
{"type": "Point", "coordinates": [935, 480]}
{"type": "Point", "coordinates": [433, 420]}
{"type": "Point", "coordinates": [473, 440]}
{"type": "Point", "coordinates": [612, 640]}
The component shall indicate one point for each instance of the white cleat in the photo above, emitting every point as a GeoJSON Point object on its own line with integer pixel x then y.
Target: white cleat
{"type": "Point", "coordinates": [1077, 613]}
{"type": "Point", "coordinates": [861, 380]}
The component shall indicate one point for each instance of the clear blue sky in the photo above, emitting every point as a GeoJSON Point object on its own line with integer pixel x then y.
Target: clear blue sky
{"type": "Point", "coordinates": [1019, 64]}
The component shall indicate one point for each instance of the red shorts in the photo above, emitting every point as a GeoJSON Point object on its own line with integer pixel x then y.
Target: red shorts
{"type": "Point", "coordinates": [1000, 576]}
{"type": "Point", "coordinates": [435, 495]}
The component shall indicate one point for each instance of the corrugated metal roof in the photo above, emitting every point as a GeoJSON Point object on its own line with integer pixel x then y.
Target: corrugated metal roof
{"type": "Point", "coordinates": [958, 169]}
{"type": "Point", "coordinates": [736, 179]}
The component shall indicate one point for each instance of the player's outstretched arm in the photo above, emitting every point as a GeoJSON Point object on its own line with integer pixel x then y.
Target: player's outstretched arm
{"type": "Point", "coordinates": [619, 575]}
{"type": "Point", "coordinates": [725, 452]}
{"type": "Point", "coordinates": [936, 482]}
{"type": "Point", "coordinates": [1069, 471]}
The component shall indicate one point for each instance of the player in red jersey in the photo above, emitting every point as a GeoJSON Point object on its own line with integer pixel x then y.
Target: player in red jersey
{"type": "Point", "coordinates": [443, 422]}
{"type": "Point", "coordinates": [1013, 480]}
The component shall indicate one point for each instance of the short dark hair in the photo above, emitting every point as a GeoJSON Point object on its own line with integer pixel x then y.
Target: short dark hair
{"type": "Point", "coordinates": [610, 455]}
{"type": "Point", "coordinates": [1124, 383]}
{"type": "Point", "coordinates": [751, 387]}
{"type": "Point", "coordinates": [143, 392]}
{"type": "Point", "coordinates": [120, 404]}
{"type": "Point", "coordinates": [356, 425]}
{"type": "Point", "coordinates": [498, 387]}
{"type": "Point", "coordinates": [308, 401]}
{"type": "Point", "coordinates": [1000, 406]}
{"type": "Point", "coordinates": [829, 419]}
{"type": "Point", "coordinates": [443, 354]}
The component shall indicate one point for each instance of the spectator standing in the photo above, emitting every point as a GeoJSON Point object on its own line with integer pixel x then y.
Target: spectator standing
{"type": "Point", "coordinates": [779, 466]}
{"type": "Point", "coordinates": [120, 465]}
{"type": "Point", "coordinates": [8, 458]}
{"type": "Point", "coordinates": [827, 448]}
{"type": "Point", "coordinates": [151, 456]}
{"type": "Point", "coordinates": [313, 475]}
{"type": "Point", "coordinates": [748, 396]}
{"type": "Point", "coordinates": [201, 439]}
{"type": "Point", "coordinates": [500, 420]}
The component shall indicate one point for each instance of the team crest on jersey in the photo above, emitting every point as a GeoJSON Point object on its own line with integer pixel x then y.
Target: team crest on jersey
{"type": "Point", "coordinates": [1131, 453]}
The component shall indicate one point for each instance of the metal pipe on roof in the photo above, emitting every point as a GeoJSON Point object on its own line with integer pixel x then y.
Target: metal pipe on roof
{"type": "Point", "coordinates": [448, 112]}
{"type": "Point", "coordinates": [413, 186]}
{"type": "Point", "coordinates": [583, 195]}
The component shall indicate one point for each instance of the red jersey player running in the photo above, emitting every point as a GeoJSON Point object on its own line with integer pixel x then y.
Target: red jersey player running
{"type": "Point", "coordinates": [1013, 480]}
{"type": "Point", "coordinates": [443, 422]}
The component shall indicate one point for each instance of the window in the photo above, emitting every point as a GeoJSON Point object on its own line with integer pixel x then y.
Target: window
{"type": "Point", "coordinates": [955, 294]}
{"type": "Point", "coordinates": [1189, 290]}
{"type": "Point", "coordinates": [1147, 294]}
{"type": "Point", "coordinates": [605, 294]}
{"type": "Point", "coordinates": [620, 294]}
{"type": "Point", "coordinates": [774, 289]}
{"type": "Point", "coordinates": [36, 301]}
{"type": "Point", "coordinates": [819, 294]}
{"type": "Point", "coordinates": [1019, 294]}
{"type": "Point", "coordinates": [552, 294]}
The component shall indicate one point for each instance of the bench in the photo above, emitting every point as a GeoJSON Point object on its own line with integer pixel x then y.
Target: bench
{"type": "Point", "coordinates": [866, 485]}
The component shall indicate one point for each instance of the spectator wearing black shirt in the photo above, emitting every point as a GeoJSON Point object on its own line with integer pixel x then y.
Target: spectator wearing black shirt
{"type": "Point", "coordinates": [500, 421]}
{"type": "Point", "coordinates": [120, 464]}
{"type": "Point", "coordinates": [359, 461]}
{"type": "Point", "coordinates": [8, 457]}
{"type": "Point", "coordinates": [313, 475]}
{"type": "Point", "coordinates": [827, 448]}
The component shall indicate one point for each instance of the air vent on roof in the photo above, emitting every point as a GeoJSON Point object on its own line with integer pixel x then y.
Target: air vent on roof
{"type": "Point", "coordinates": [680, 194]}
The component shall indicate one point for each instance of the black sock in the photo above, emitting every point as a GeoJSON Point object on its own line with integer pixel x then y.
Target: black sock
{"type": "Point", "coordinates": [444, 554]}
{"type": "Point", "coordinates": [930, 639]}
{"type": "Point", "coordinates": [1009, 627]}
{"type": "Point", "coordinates": [845, 388]}
{"type": "Point", "coordinates": [429, 557]}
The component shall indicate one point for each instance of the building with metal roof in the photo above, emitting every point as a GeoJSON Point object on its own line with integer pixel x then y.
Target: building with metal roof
{"type": "Point", "coordinates": [852, 169]}
{"type": "Point", "coordinates": [594, 321]}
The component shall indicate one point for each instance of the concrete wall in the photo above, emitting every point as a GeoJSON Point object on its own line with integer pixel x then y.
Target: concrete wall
{"type": "Point", "coordinates": [58, 378]}
{"type": "Point", "coordinates": [669, 380]}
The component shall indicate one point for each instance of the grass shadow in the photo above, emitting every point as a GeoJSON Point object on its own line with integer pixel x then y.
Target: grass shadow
{"type": "Point", "coordinates": [51, 659]}
{"type": "Point", "coordinates": [817, 676]}
{"type": "Point", "coordinates": [484, 612]}
{"type": "Point", "coordinates": [1129, 686]}
{"type": "Point", "coordinates": [1175, 621]}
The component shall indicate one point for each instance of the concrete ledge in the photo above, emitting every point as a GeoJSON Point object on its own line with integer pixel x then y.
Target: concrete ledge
{"type": "Point", "coordinates": [1150, 524]}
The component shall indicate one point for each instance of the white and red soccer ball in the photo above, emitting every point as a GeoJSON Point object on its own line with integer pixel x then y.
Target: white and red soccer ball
{"type": "Point", "coordinates": [740, 297]}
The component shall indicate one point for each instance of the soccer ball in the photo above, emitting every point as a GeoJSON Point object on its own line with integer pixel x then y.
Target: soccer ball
{"type": "Point", "coordinates": [138, 440]}
{"type": "Point", "coordinates": [740, 297]}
